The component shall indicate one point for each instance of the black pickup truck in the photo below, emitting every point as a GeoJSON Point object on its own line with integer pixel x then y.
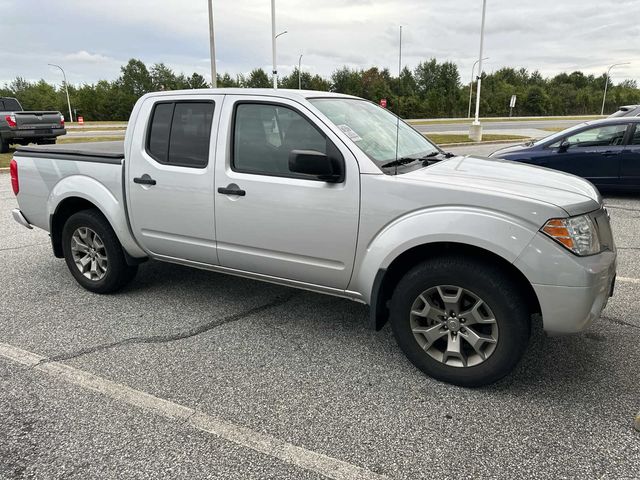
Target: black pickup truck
{"type": "Point", "coordinates": [22, 127]}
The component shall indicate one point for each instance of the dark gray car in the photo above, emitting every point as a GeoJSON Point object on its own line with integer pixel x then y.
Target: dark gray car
{"type": "Point", "coordinates": [627, 111]}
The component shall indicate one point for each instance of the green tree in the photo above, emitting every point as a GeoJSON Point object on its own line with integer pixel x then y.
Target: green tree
{"type": "Point", "coordinates": [536, 101]}
{"type": "Point", "coordinates": [258, 79]}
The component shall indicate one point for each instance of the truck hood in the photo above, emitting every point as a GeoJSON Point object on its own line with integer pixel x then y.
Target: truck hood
{"type": "Point", "coordinates": [573, 194]}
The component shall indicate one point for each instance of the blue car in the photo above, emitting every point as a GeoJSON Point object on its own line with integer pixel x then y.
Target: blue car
{"type": "Point", "coordinates": [605, 152]}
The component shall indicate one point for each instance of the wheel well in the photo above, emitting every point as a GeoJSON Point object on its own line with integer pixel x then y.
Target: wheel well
{"type": "Point", "coordinates": [65, 209]}
{"type": "Point", "coordinates": [386, 280]}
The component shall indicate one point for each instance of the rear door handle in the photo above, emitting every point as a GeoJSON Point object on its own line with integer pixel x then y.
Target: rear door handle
{"type": "Point", "coordinates": [232, 189]}
{"type": "Point", "coordinates": [144, 180]}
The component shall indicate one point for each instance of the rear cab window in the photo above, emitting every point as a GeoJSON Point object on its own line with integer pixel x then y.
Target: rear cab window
{"type": "Point", "coordinates": [10, 105]}
{"type": "Point", "coordinates": [179, 133]}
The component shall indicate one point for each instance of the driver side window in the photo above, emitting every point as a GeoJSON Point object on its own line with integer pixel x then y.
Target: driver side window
{"type": "Point", "coordinates": [265, 134]}
{"type": "Point", "coordinates": [603, 136]}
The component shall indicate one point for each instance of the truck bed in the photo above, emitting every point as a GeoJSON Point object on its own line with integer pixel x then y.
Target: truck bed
{"type": "Point", "coordinates": [107, 152]}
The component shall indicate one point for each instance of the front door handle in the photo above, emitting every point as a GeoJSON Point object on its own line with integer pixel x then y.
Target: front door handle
{"type": "Point", "coordinates": [232, 189]}
{"type": "Point", "coordinates": [144, 180]}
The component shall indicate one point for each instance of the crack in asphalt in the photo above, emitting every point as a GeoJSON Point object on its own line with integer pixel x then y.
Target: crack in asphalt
{"type": "Point", "coordinates": [192, 332]}
{"type": "Point", "coordinates": [23, 246]}
{"type": "Point", "coordinates": [620, 322]}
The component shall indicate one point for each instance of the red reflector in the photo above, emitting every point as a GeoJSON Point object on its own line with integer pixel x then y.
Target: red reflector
{"type": "Point", "coordinates": [11, 120]}
{"type": "Point", "coordinates": [13, 170]}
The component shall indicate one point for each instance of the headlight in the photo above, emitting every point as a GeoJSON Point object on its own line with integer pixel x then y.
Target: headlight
{"type": "Point", "coordinates": [577, 234]}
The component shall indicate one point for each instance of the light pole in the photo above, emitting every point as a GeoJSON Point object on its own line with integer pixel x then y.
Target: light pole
{"type": "Point", "coordinates": [606, 84]}
{"type": "Point", "coordinates": [212, 48]}
{"type": "Point", "coordinates": [475, 131]}
{"type": "Point", "coordinates": [66, 87]}
{"type": "Point", "coordinates": [299, 73]}
{"type": "Point", "coordinates": [471, 83]}
{"type": "Point", "coordinates": [273, 42]}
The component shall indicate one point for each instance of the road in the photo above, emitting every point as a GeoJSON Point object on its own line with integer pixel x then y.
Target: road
{"type": "Point", "coordinates": [95, 133]}
{"type": "Point", "coordinates": [502, 125]}
{"type": "Point", "coordinates": [429, 128]}
{"type": "Point", "coordinates": [191, 374]}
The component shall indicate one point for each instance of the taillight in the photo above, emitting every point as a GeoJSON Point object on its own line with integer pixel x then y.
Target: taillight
{"type": "Point", "coordinates": [62, 120]}
{"type": "Point", "coordinates": [13, 169]}
{"type": "Point", "coordinates": [11, 120]}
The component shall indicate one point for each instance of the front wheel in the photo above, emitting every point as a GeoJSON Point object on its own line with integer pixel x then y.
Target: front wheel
{"type": "Point", "coordinates": [93, 253]}
{"type": "Point", "coordinates": [460, 320]}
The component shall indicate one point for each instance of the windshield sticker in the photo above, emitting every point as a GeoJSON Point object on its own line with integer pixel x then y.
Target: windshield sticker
{"type": "Point", "coordinates": [348, 131]}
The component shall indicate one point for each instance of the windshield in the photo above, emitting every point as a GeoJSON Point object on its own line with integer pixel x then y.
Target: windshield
{"type": "Point", "coordinates": [374, 129]}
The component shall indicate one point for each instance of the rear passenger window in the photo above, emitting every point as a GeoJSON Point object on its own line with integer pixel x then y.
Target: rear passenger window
{"type": "Point", "coordinates": [180, 133]}
{"type": "Point", "coordinates": [158, 144]}
{"type": "Point", "coordinates": [265, 134]}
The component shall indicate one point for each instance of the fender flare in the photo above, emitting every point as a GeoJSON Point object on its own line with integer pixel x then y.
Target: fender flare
{"type": "Point", "coordinates": [485, 230]}
{"type": "Point", "coordinates": [89, 189]}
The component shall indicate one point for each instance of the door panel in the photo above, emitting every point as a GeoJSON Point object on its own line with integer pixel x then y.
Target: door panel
{"type": "Point", "coordinates": [174, 217]}
{"type": "Point", "coordinates": [600, 165]}
{"type": "Point", "coordinates": [284, 225]}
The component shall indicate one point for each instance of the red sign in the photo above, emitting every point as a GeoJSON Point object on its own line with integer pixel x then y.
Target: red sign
{"type": "Point", "coordinates": [81, 120]}
{"type": "Point", "coordinates": [383, 102]}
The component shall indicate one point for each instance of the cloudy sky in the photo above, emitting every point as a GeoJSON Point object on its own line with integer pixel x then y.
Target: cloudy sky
{"type": "Point", "coordinates": [92, 38]}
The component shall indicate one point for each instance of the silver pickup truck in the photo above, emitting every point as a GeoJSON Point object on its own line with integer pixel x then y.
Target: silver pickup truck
{"type": "Point", "coordinates": [333, 194]}
{"type": "Point", "coordinates": [23, 127]}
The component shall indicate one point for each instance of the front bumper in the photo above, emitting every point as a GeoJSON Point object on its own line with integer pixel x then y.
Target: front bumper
{"type": "Point", "coordinates": [568, 310]}
{"type": "Point", "coordinates": [572, 291]}
{"type": "Point", "coordinates": [19, 217]}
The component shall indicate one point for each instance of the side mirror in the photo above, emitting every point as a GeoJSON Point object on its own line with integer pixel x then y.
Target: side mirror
{"type": "Point", "coordinates": [564, 146]}
{"type": "Point", "coordinates": [317, 164]}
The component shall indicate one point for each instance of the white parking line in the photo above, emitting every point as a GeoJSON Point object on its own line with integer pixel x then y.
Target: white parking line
{"type": "Point", "coordinates": [627, 280]}
{"type": "Point", "coordinates": [301, 457]}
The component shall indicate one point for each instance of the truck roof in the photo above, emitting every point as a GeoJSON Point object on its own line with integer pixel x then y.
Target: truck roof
{"type": "Point", "coordinates": [292, 94]}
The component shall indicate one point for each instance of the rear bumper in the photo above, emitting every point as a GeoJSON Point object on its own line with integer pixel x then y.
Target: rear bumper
{"type": "Point", "coordinates": [33, 133]}
{"type": "Point", "coordinates": [19, 217]}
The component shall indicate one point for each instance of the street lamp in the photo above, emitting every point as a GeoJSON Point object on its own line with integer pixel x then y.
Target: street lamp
{"type": "Point", "coordinates": [275, 68]}
{"type": "Point", "coordinates": [475, 131]}
{"type": "Point", "coordinates": [471, 83]}
{"type": "Point", "coordinates": [273, 42]}
{"type": "Point", "coordinates": [212, 48]}
{"type": "Point", "coordinates": [299, 73]}
{"type": "Point", "coordinates": [66, 87]}
{"type": "Point", "coordinates": [606, 84]}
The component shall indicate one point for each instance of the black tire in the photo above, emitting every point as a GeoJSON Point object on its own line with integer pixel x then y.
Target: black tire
{"type": "Point", "coordinates": [498, 291]}
{"type": "Point", "coordinates": [4, 146]}
{"type": "Point", "coordinates": [117, 273]}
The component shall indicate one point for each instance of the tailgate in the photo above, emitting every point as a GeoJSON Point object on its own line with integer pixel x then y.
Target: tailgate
{"type": "Point", "coordinates": [37, 120]}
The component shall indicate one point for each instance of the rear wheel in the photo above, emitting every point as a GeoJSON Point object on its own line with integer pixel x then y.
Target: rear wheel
{"type": "Point", "coordinates": [460, 320]}
{"type": "Point", "coordinates": [4, 146]}
{"type": "Point", "coordinates": [93, 253]}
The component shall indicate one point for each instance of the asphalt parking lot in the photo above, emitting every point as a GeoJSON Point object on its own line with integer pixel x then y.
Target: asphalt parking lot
{"type": "Point", "coordinates": [191, 374]}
